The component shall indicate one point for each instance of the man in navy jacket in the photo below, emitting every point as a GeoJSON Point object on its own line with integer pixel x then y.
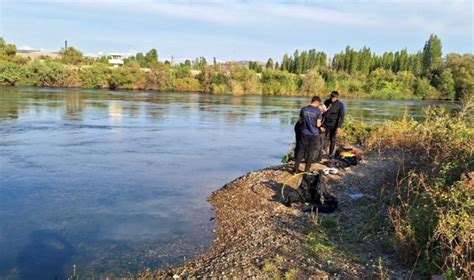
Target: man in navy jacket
{"type": "Point", "coordinates": [309, 129]}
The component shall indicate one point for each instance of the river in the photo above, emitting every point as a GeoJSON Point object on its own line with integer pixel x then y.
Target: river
{"type": "Point", "coordinates": [115, 182]}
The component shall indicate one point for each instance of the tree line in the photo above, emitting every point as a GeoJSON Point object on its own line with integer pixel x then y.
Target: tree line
{"type": "Point", "coordinates": [425, 74]}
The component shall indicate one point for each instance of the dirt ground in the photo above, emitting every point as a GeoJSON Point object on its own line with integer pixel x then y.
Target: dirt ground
{"type": "Point", "coordinates": [258, 237]}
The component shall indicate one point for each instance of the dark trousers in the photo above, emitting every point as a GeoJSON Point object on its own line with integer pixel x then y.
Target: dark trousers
{"type": "Point", "coordinates": [297, 136]}
{"type": "Point", "coordinates": [319, 152]}
{"type": "Point", "coordinates": [307, 148]}
{"type": "Point", "coordinates": [331, 137]}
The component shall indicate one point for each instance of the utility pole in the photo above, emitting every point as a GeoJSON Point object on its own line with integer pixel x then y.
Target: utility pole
{"type": "Point", "coordinates": [65, 45]}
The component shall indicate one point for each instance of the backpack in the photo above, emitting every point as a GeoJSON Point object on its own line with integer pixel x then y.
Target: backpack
{"type": "Point", "coordinates": [311, 190]}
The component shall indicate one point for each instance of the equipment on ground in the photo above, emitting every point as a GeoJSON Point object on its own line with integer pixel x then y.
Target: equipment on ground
{"type": "Point", "coordinates": [313, 191]}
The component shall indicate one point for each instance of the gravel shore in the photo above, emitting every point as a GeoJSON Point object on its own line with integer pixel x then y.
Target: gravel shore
{"type": "Point", "coordinates": [258, 237]}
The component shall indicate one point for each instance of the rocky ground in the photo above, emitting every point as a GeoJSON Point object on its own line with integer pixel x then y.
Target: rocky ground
{"type": "Point", "coordinates": [259, 237]}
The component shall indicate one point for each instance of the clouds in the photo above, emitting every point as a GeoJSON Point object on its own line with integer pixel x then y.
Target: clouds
{"type": "Point", "coordinates": [251, 29]}
{"type": "Point", "coordinates": [416, 14]}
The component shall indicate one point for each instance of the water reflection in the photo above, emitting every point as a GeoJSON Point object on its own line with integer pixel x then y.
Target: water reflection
{"type": "Point", "coordinates": [117, 181]}
{"type": "Point", "coordinates": [74, 106]}
{"type": "Point", "coordinates": [238, 107]}
{"type": "Point", "coordinates": [45, 256]}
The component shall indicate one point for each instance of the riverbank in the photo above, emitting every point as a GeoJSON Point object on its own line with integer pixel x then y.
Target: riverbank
{"type": "Point", "coordinates": [305, 74]}
{"type": "Point", "coordinates": [198, 90]}
{"type": "Point", "coordinates": [258, 236]}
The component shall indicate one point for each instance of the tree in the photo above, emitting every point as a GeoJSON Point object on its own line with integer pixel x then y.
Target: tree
{"type": "Point", "coordinates": [286, 63]}
{"type": "Point", "coordinates": [254, 65]}
{"type": "Point", "coordinates": [151, 57]}
{"type": "Point", "coordinates": [338, 61]}
{"type": "Point", "coordinates": [403, 61]}
{"type": "Point", "coordinates": [387, 60]}
{"type": "Point", "coordinates": [353, 62]}
{"type": "Point", "coordinates": [303, 62]}
{"type": "Point", "coordinates": [102, 59]}
{"type": "Point", "coordinates": [323, 59]}
{"type": "Point", "coordinates": [269, 64]}
{"type": "Point", "coordinates": [365, 61]}
{"type": "Point", "coordinates": [415, 63]}
{"type": "Point", "coordinates": [199, 63]}
{"type": "Point", "coordinates": [7, 49]}
{"type": "Point", "coordinates": [431, 55]}
{"type": "Point", "coordinates": [187, 63]}
{"type": "Point", "coordinates": [296, 63]}
{"type": "Point", "coordinates": [462, 68]}
{"type": "Point", "coordinates": [446, 84]}
{"type": "Point", "coordinates": [140, 58]}
{"type": "Point", "coordinates": [70, 55]}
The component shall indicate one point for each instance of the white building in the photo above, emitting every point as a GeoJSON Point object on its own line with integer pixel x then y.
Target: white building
{"type": "Point", "coordinates": [115, 59]}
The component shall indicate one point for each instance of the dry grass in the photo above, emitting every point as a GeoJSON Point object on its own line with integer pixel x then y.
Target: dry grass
{"type": "Point", "coordinates": [432, 212]}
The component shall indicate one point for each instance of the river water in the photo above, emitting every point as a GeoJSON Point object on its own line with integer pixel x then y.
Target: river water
{"type": "Point", "coordinates": [115, 182]}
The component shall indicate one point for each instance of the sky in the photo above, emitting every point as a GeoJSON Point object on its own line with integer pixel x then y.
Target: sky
{"type": "Point", "coordinates": [235, 30]}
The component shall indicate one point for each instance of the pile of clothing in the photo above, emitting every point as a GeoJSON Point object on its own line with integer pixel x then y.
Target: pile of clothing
{"type": "Point", "coordinates": [347, 156]}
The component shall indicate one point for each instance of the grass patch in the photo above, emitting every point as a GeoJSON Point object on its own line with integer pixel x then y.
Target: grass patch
{"type": "Point", "coordinates": [273, 268]}
{"type": "Point", "coordinates": [292, 274]}
{"type": "Point", "coordinates": [320, 244]}
{"type": "Point", "coordinates": [270, 268]}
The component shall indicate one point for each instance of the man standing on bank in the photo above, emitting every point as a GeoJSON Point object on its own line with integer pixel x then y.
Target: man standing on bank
{"type": "Point", "coordinates": [333, 119]}
{"type": "Point", "coordinates": [308, 144]}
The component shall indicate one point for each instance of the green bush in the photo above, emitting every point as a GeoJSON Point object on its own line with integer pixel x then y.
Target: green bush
{"type": "Point", "coordinates": [94, 76]}
{"type": "Point", "coordinates": [11, 74]}
{"type": "Point", "coordinates": [46, 73]}
{"type": "Point", "coordinates": [220, 89]}
{"type": "Point", "coordinates": [244, 81]}
{"type": "Point", "coordinates": [313, 84]}
{"type": "Point", "coordinates": [120, 78]}
{"type": "Point", "coordinates": [423, 89]}
{"type": "Point", "coordinates": [160, 78]}
{"type": "Point", "coordinates": [279, 83]}
{"type": "Point", "coordinates": [182, 72]}
{"type": "Point", "coordinates": [354, 132]}
{"type": "Point", "coordinates": [389, 94]}
{"type": "Point", "coordinates": [187, 85]}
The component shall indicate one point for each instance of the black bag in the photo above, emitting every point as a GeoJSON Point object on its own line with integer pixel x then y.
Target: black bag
{"type": "Point", "coordinates": [312, 191]}
{"type": "Point", "coordinates": [346, 161]}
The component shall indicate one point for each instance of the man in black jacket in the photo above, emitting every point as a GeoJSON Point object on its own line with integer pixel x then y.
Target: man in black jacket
{"type": "Point", "coordinates": [333, 119]}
